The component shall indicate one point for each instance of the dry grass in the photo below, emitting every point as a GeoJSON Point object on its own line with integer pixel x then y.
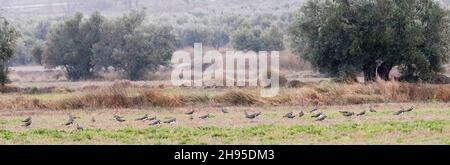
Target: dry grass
{"type": "Point", "coordinates": [124, 94]}
{"type": "Point", "coordinates": [238, 97]}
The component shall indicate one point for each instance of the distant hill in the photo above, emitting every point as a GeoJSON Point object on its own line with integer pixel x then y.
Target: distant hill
{"type": "Point", "coordinates": [31, 9]}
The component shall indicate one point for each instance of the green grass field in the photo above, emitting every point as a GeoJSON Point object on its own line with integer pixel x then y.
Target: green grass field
{"type": "Point", "coordinates": [428, 124]}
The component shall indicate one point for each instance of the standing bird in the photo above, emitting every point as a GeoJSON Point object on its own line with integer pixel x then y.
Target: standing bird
{"type": "Point", "coordinates": [251, 116]}
{"type": "Point", "coordinates": [301, 114]}
{"type": "Point", "coordinates": [361, 113]}
{"type": "Point", "coordinates": [289, 115]}
{"type": "Point", "coordinates": [190, 112]}
{"type": "Point", "coordinates": [119, 118]}
{"type": "Point", "coordinates": [371, 109]}
{"type": "Point", "coordinates": [27, 123]}
{"type": "Point", "coordinates": [409, 109]}
{"type": "Point", "coordinates": [400, 112]}
{"type": "Point", "coordinates": [79, 128]}
{"type": "Point", "coordinates": [70, 120]}
{"type": "Point", "coordinates": [145, 117]}
{"type": "Point", "coordinates": [347, 113]}
{"type": "Point", "coordinates": [223, 110]}
{"type": "Point", "coordinates": [204, 116]}
{"type": "Point", "coordinates": [170, 121]}
{"type": "Point", "coordinates": [27, 119]}
{"type": "Point", "coordinates": [321, 118]}
{"type": "Point", "coordinates": [314, 109]}
{"type": "Point", "coordinates": [155, 122]}
{"type": "Point", "coordinates": [316, 115]}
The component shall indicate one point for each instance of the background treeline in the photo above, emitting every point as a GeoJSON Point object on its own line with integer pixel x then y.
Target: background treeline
{"type": "Point", "coordinates": [125, 44]}
{"type": "Point", "coordinates": [243, 25]}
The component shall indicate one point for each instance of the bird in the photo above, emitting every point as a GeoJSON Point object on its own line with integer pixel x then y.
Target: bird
{"type": "Point", "coordinates": [361, 113]}
{"type": "Point", "coordinates": [314, 109]}
{"type": "Point", "coordinates": [223, 110]}
{"type": "Point", "coordinates": [301, 114]}
{"type": "Point", "coordinates": [170, 121]}
{"type": "Point", "coordinates": [409, 109]}
{"type": "Point", "coordinates": [204, 116]}
{"type": "Point", "coordinates": [70, 120]}
{"type": "Point", "coordinates": [152, 118]}
{"type": "Point", "coordinates": [27, 123]}
{"type": "Point", "coordinates": [399, 112]}
{"type": "Point", "coordinates": [145, 117]}
{"type": "Point", "coordinates": [190, 112]}
{"type": "Point", "coordinates": [321, 118]}
{"type": "Point", "coordinates": [251, 116]}
{"type": "Point", "coordinates": [371, 109]}
{"type": "Point", "coordinates": [119, 118]}
{"type": "Point", "coordinates": [289, 115]}
{"type": "Point", "coordinates": [80, 128]}
{"type": "Point", "coordinates": [155, 122]}
{"type": "Point", "coordinates": [316, 115]}
{"type": "Point", "coordinates": [27, 119]}
{"type": "Point", "coordinates": [347, 113]}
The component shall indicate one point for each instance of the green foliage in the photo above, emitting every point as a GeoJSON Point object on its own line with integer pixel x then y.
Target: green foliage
{"type": "Point", "coordinates": [36, 52]}
{"type": "Point", "coordinates": [130, 46]}
{"type": "Point", "coordinates": [252, 39]}
{"type": "Point", "coordinates": [69, 45]}
{"type": "Point", "coordinates": [8, 38]}
{"type": "Point", "coordinates": [345, 37]}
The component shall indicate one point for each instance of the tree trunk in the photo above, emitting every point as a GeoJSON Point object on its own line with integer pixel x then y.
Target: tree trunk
{"type": "Point", "coordinates": [369, 73]}
{"type": "Point", "coordinates": [384, 70]}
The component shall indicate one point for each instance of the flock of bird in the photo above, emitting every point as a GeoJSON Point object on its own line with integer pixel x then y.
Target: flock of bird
{"type": "Point", "coordinates": [315, 113]}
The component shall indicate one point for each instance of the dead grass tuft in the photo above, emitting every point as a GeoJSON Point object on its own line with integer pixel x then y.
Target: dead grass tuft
{"type": "Point", "coordinates": [157, 98]}
{"type": "Point", "coordinates": [238, 97]}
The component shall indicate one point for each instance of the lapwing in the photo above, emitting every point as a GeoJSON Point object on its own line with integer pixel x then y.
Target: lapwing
{"type": "Point", "coordinates": [70, 120]}
{"type": "Point", "coordinates": [409, 109]}
{"type": "Point", "coordinates": [119, 118]}
{"type": "Point", "coordinates": [223, 110]}
{"type": "Point", "coordinates": [289, 115]}
{"type": "Point", "coordinates": [79, 128]}
{"type": "Point", "coordinates": [145, 117]}
{"type": "Point", "coordinates": [155, 122]}
{"type": "Point", "coordinates": [170, 121]}
{"type": "Point", "coordinates": [399, 112]}
{"type": "Point", "coordinates": [301, 114]}
{"type": "Point", "coordinates": [27, 119]}
{"type": "Point", "coordinates": [204, 116]}
{"type": "Point", "coordinates": [251, 116]}
{"type": "Point", "coordinates": [361, 113]}
{"type": "Point", "coordinates": [321, 118]}
{"type": "Point", "coordinates": [314, 109]}
{"type": "Point", "coordinates": [189, 112]}
{"type": "Point", "coordinates": [371, 109]}
{"type": "Point", "coordinates": [316, 115]}
{"type": "Point", "coordinates": [347, 113]}
{"type": "Point", "coordinates": [27, 123]}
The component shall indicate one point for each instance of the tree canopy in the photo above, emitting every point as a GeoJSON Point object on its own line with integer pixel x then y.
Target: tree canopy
{"type": "Point", "coordinates": [8, 38]}
{"type": "Point", "coordinates": [345, 37]}
{"type": "Point", "coordinates": [126, 44]}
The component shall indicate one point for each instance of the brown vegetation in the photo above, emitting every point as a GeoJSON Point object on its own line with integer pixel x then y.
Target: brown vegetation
{"type": "Point", "coordinates": [124, 95]}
